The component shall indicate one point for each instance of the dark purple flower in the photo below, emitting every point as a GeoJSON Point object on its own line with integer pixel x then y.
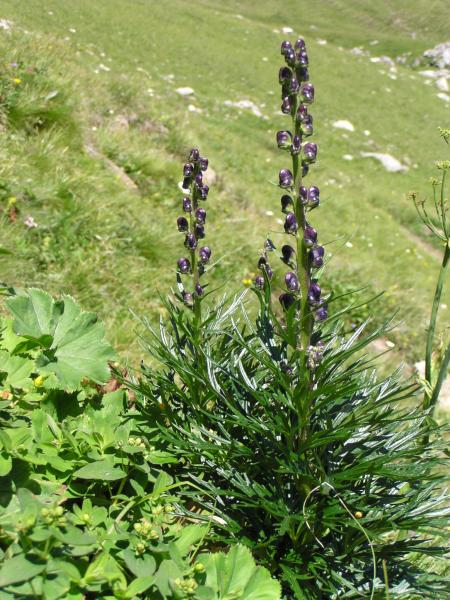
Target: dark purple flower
{"type": "Point", "coordinates": [194, 154]}
{"type": "Point", "coordinates": [290, 224]}
{"type": "Point", "coordinates": [302, 73]}
{"type": "Point", "coordinates": [289, 57]}
{"type": "Point", "coordinates": [310, 236]}
{"type": "Point", "coordinates": [186, 183]}
{"type": "Point", "coordinates": [300, 44]}
{"type": "Point", "coordinates": [187, 205]}
{"type": "Point", "coordinates": [287, 253]}
{"type": "Point", "coordinates": [199, 180]}
{"type": "Point", "coordinates": [316, 256]}
{"type": "Point", "coordinates": [307, 93]}
{"type": "Point", "coordinates": [305, 168]}
{"type": "Point", "coordinates": [182, 224]}
{"type": "Point", "coordinates": [303, 195]}
{"type": "Point", "coordinates": [199, 290]}
{"type": "Point", "coordinates": [286, 202]}
{"type": "Point", "coordinates": [302, 58]}
{"type": "Point", "coordinates": [310, 152]}
{"type": "Point", "coordinates": [188, 298]}
{"type": "Point", "coordinates": [188, 169]}
{"type": "Point", "coordinates": [307, 126]}
{"type": "Point", "coordinates": [285, 45]}
{"type": "Point", "coordinates": [200, 215]}
{"type": "Point", "coordinates": [283, 139]}
{"type": "Point", "coordinates": [184, 266]}
{"type": "Point", "coordinates": [204, 254]}
{"type": "Point", "coordinates": [284, 74]}
{"type": "Point", "coordinates": [314, 292]}
{"type": "Point", "coordinates": [286, 179]}
{"type": "Point", "coordinates": [259, 281]}
{"type": "Point", "coordinates": [199, 232]}
{"type": "Point", "coordinates": [321, 313]}
{"type": "Point", "coordinates": [203, 163]}
{"type": "Point", "coordinates": [190, 242]}
{"type": "Point", "coordinates": [204, 191]}
{"type": "Point", "coordinates": [286, 106]}
{"type": "Point", "coordinates": [286, 300]}
{"type": "Point", "coordinates": [291, 281]}
{"type": "Point", "coordinates": [268, 271]}
{"type": "Point", "coordinates": [294, 85]}
{"type": "Point", "coordinates": [269, 246]}
{"type": "Point", "coordinates": [296, 144]}
{"type": "Point", "coordinates": [313, 196]}
{"type": "Point", "coordinates": [302, 111]}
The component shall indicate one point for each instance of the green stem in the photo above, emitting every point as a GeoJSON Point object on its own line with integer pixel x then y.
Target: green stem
{"type": "Point", "coordinates": [441, 378]}
{"type": "Point", "coordinates": [386, 580]}
{"type": "Point", "coordinates": [433, 318]}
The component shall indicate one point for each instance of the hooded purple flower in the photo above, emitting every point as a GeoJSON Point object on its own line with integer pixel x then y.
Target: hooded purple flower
{"type": "Point", "coordinates": [310, 152]}
{"type": "Point", "coordinates": [182, 224]}
{"type": "Point", "coordinates": [286, 202]}
{"type": "Point", "coordinates": [284, 75]}
{"type": "Point", "coordinates": [307, 126]}
{"type": "Point", "coordinates": [296, 144]}
{"type": "Point", "coordinates": [199, 232]}
{"type": "Point", "coordinates": [313, 196]}
{"type": "Point", "coordinates": [316, 256]}
{"type": "Point", "coordinates": [188, 169]}
{"type": "Point", "coordinates": [310, 236]}
{"type": "Point", "coordinates": [204, 254]}
{"type": "Point", "coordinates": [194, 154]}
{"type": "Point", "coordinates": [187, 205]}
{"type": "Point", "coordinates": [203, 163]}
{"type": "Point", "coordinates": [200, 215]}
{"type": "Point", "coordinates": [286, 179]}
{"type": "Point", "coordinates": [287, 253]}
{"type": "Point", "coordinates": [285, 45]}
{"type": "Point", "coordinates": [290, 224]}
{"type": "Point", "coordinates": [284, 139]}
{"type": "Point", "coordinates": [188, 298]}
{"type": "Point", "coordinates": [190, 242]}
{"type": "Point", "coordinates": [314, 292]}
{"type": "Point", "coordinates": [301, 113]}
{"type": "Point", "coordinates": [259, 282]}
{"type": "Point", "coordinates": [321, 313]}
{"type": "Point", "coordinates": [286, 300]}
{"type": "Point", "coordinates": [307, 93]}
{"type": "Point", "coordinates": [294, 86]}
{"type": "Point", "coordinates": [286, 106]}
{"type": "Point", "coordinates": [184, 266]}
{"type": "Point", "coordinates": [203, 190]}
{"type": "Point", "coordinates": [300, 44]}
{"type": "Point", "coordinates": [291, 281]}
{"type": "Point", "coordinates": [199, 290]}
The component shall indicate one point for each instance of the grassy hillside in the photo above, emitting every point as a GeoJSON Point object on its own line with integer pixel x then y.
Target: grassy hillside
{"type": "Point", "coordinates": [95, 133]}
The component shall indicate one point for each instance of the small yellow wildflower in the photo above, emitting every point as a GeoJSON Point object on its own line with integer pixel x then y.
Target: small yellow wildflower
{"type": "Point", "coordinates": [12, 200]}
{"type": "Point", "coordinates": [39, 381]}
{"type": "Point", "coordinates": [17, 80]}
{"type": "Point", "coordinates": [247, 282]}
{"type": "Point", "coordinates": [358, 514]}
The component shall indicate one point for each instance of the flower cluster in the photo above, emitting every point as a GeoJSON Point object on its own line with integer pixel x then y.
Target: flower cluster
{"type": "Point", "coordinates": [303, 255]}
{"type": "Point", "coordinates": [192, 224]}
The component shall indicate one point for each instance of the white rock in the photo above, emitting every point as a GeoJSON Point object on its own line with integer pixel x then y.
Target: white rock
{"type": "Point", "coordinates": [287, 30]}
{"type": "Point", "coordinates": [439, 55]}
{"type": "Point", "coordinates": [343, 124]}
{"type": "Point", "coordinates": [103, 67]}
{"type": "Point", "coordinates": [442, 84]}
{"type": "Point", "coordinates": [383, 59]}
{"type": "Point", "coordinates": [184, 91]}
{"type": "Point", "coordinates": [444, 97]}
{"type": "Point", "coordinates": [390, 163]}
{"type": "Point", "coordinates": [246, 104]}
{"type": "Point", "coordinates": [347, 157]}
{"type": "Point", "coordinates": [5, 24]}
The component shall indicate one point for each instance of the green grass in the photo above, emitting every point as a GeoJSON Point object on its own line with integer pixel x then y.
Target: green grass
{"type": "Point", "coordinates": [114, 246]}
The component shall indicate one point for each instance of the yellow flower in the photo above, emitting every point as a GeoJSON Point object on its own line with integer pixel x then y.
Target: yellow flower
{"type": "Point", "coordinates": [358, 514]}
{"type": "Point", "coordinates": [11, 201]}
{"type": "Point", "coordinates": [17, 80]}
{"type": "Point", "coordinates": [247, 282]}
{"type": "Point", "coordinates": [39, 381]}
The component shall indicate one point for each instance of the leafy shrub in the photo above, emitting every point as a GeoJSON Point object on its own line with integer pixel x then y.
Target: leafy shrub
{"type": "Point", "coordinates": [86, 508]}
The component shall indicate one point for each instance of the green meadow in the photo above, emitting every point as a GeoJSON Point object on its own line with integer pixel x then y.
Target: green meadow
{"type": "Point", "coordinates": [96, 131]}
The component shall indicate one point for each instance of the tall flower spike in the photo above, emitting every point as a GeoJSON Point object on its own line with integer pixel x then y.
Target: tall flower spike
{"type": "Point", "coordinates": [193, 225]}
{"type": "Point", "coordinates": [303, 254]}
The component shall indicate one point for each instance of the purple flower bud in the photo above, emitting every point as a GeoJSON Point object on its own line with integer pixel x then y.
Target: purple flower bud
{"type": "Point", "coordinates": [296, 144]}
{"type": "Point", "coordinates": [314, 292]}
{"type": "Point", "coordinates": [190, 242]}
{"type": "Point", "coordinates": [310, 152]}
{"type": "Point", "coordinates": [291, 281]}
{"type": "Point", "coordinates": [289, 57]}
{"type": "Point", "coordinates": [199, 232]}
{"type": "Point", "coordinates": [269, 272]}
{"type": "Point", "coordinates": [188, 169]}
{"type": "Point", "coordinates": [302, 111]}
{"type": "Point", "coordinates": [187, 205]}
{"type": "Point", "coordinates": [182, 224]}
{"type": "Point", "coordinates": [283, 139]}
{"type": "Point", "coordinates": [269, 246]}
{"type": "Point", "coordinates": [204, 191]}
{"type": "Point", "coordinates": [307, 126]}
{"type": "Point", "coordinates": [203, 163]}
{"type": "Point", "coordinates": [199, 290]}
{"type": "Point", "coordinates": [286, 106]}
{"type": "Point", "coordinates": [294, 86]}
{"type": "Point", "coordinates": [259, 282]}
{"type": "Point", "coordinates": [287, 253]}
{"type": "Point", "coordinates": [310, 236]}
{"type": "Point", "coordinates": [186, 183]}
{"type": "Point", "coordinates": [302, 58]}
{"type": "Point", "coordinates": [286, 178]}
{"type": "Point", "coordinates": [204, 254]}
{"type": "Point", "coordinates": [194, 154]}
{"type": "Point", "coordinates": [313, 196]}
{"type": "Point", "coordinates": [284, 74]}
{"type": "Point", "coordinates": [302, 73]}
{"type": "Point", "coordinates": [188, 298]}
{"type": "Point", "coordinates": [316, 256]}
{"type": "Point", "coordinates": [286, 202]}
{"type": "Point", "coordinates": [286, 300]}
{"type": "Point", "coordinates": [307, 93]}
{"type": "Point", "coordinates": [303, 195]}
{"type": "Point", "coordinates": [300, 44]}
{"type": "Point", "coordinates": [286, 45]}
{"type": "Point", "coordinates": [305, 168]}
{"type": "Point", "coordinates": [200, 215]}
{"type": "Point", "coordinates": [321, 313]}
{"type": "Point", "coordinates": [290, 224]}
{"type": "Point", "coordinates": [184, 266]}
{"type": "Point", "coordinates": [199, 180]}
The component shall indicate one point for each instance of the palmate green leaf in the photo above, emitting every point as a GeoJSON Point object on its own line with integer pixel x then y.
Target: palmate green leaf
{"type": "Point", "coordinates": [72, 340]}
{"type": "Point", "coordinates": [235, 575]}
{"type": "Point", "coordinates": [18, 370]}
